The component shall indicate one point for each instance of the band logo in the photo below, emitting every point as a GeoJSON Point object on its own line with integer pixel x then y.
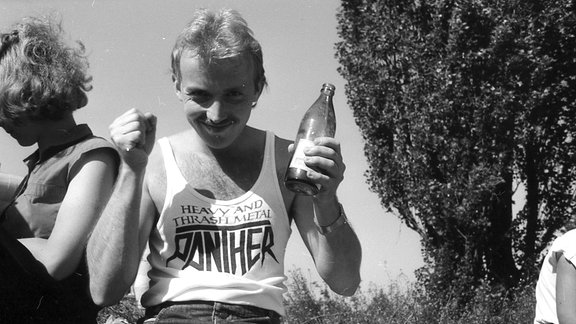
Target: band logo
{"type": "Point", "coordinates": [209, 243]}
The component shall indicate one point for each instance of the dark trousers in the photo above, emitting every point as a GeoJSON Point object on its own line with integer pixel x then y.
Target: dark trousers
{"type": "Point", "coordinates": [28, 294]}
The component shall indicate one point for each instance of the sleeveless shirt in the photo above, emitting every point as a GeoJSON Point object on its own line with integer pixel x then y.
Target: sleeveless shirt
{"type": "Point", "coordinates": [34, 211]}
{"type": "Point", "coordinates": [229, 251]}
{"type": "Point", "coordinates": [564, 245]}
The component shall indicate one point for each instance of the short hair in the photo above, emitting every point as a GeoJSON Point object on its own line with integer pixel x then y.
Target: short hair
{"type": "Point", "coordinates": [216, 36]}
{"type": "Point", "coordinates": [41, 77]}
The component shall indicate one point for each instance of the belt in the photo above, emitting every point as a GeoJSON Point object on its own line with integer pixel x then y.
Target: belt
{"type": "Point", "coordinates": [152, 311]}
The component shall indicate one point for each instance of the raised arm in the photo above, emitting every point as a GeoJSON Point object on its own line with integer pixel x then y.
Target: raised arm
{"type": "Point", "coordinates": [119, 238]}
{"type": "Point", "coordinates": [322, 222]}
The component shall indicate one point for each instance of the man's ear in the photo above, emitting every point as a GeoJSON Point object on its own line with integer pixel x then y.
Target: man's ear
{"type": "Point", "coordinates": [177, 89]}
{"type": "Point", "coordinates": [259, 89]}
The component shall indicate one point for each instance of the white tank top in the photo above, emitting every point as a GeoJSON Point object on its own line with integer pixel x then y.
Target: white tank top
{"type": "Point", "coordinates": [229, 251]}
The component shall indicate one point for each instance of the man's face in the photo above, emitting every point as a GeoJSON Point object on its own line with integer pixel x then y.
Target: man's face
{"type": "Point", "coordinates": [218, 98]}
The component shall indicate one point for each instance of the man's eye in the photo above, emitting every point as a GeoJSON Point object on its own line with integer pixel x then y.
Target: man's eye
{"type": "Point", "coordinates": [199, 96]}
{"type": "Point", "coordinates": [235, 96]}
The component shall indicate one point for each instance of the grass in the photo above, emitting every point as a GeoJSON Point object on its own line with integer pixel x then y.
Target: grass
{"type": "Point", "coordinates": [126, 310]}
{"type": "Point", "coordinates": [313, 303]}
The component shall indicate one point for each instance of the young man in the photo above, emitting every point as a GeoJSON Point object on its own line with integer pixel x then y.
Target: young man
{"type": "Point", "coordinates": [210, 200]}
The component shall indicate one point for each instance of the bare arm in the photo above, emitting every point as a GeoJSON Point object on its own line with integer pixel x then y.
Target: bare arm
{"type": "Point", "coordinates": [337, 254]}
{"type": "Point", "coordinates": [566, 292]}
{"type": "Point", "coordinates": [87, 193]}
{"type": "Point", "coordinates": [119, 238]}
{"type": "Point", "coordinates": [8, 186]}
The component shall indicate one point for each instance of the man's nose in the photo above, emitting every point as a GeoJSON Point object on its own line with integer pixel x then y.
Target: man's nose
{"type": "Point", "coordinates": [216, 112]}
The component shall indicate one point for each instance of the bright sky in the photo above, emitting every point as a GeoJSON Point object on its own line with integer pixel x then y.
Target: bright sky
{"type": "Point", "coordinates": [129, 44]}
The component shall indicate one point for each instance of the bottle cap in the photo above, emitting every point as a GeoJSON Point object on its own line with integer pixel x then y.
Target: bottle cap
{"type": "Point", "coordinates": [328, 86]}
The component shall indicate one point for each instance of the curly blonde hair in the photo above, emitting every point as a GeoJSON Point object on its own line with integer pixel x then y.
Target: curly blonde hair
{"type": "Point", "coordinates": [41, 77]}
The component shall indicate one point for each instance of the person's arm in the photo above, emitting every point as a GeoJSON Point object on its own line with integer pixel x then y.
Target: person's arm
{"type": "Point", "coordinates": [142, 281]}
{"type": "Point", "coordinates": [87, 192]}
{"type": "Point", "coordinates": [8, 186]}
{"type": "Point", "coordinates": [337, 252]}
{"type": "Point", "coordinates": [119, 238]}
{"type": "Point", "coordinates": [566, 291]}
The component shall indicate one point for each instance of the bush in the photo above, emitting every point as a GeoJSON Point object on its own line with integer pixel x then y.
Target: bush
{"type": "Point", "coordinates": [126, 311]}
{"type": "Point", "coordinates": [310, 302]}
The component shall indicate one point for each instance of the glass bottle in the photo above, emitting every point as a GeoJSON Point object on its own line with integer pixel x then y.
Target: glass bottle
{"type": "Point", "coordinates": [318, 121]}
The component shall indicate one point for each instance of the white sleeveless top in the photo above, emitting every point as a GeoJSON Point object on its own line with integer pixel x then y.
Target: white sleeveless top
{"type": "Point", "coordinates": [229, 251]}
{"type": "Point", "coordinates": [564, 245]}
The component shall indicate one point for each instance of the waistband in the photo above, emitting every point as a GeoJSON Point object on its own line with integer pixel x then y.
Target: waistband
{"type": "Point", "coordinates": [152, 311]}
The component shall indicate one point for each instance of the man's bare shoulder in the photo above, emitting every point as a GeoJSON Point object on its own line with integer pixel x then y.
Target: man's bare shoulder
{"type": "Point", "coordinates": [155, 172]}
{"type": "Point", "coordinates": [186, 141]}
{"type": "Point", "coordinates": [156, 159]}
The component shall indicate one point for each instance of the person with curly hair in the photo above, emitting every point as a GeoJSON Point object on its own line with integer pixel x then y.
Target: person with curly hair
{"type": "Point", "coordinates": [45, 228]}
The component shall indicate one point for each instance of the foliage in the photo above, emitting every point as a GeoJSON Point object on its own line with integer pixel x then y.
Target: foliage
{"type": "Point", "coordinates": [311, 303]}
{"type": "Point", "coordinates": [126, 311]}
{"type": "Point", "coordinates": [459, 101]}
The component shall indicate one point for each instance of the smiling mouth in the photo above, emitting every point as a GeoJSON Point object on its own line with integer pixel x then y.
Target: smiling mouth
{"type": "Point", "coordinates": [218, 126]}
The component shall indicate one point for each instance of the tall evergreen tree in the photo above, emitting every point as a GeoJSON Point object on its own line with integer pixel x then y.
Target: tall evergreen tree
{"type": "Point", "coordinates": [460, 103]}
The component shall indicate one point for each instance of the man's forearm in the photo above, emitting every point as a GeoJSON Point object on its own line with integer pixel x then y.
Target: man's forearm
{"type": "Point", "coordinates": [339, 260]}
{"type": "Point", "coordinates": [340, 253]}
{"type": "Point", "coordinates": [113, 251]}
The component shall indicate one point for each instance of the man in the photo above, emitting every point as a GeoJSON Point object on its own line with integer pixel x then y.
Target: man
{"type": "Point", "coordinates": [210, 200]}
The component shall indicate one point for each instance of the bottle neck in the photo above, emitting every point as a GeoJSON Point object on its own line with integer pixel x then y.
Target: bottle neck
{"type": "Point", "coordinates": [327, 92]}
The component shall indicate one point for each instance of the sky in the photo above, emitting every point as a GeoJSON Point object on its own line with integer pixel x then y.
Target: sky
{"type": "Point", "coordinates": [128, 45]}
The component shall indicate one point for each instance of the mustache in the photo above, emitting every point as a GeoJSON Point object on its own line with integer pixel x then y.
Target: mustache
{"type": "Point", "coordinates": [210, 122]}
